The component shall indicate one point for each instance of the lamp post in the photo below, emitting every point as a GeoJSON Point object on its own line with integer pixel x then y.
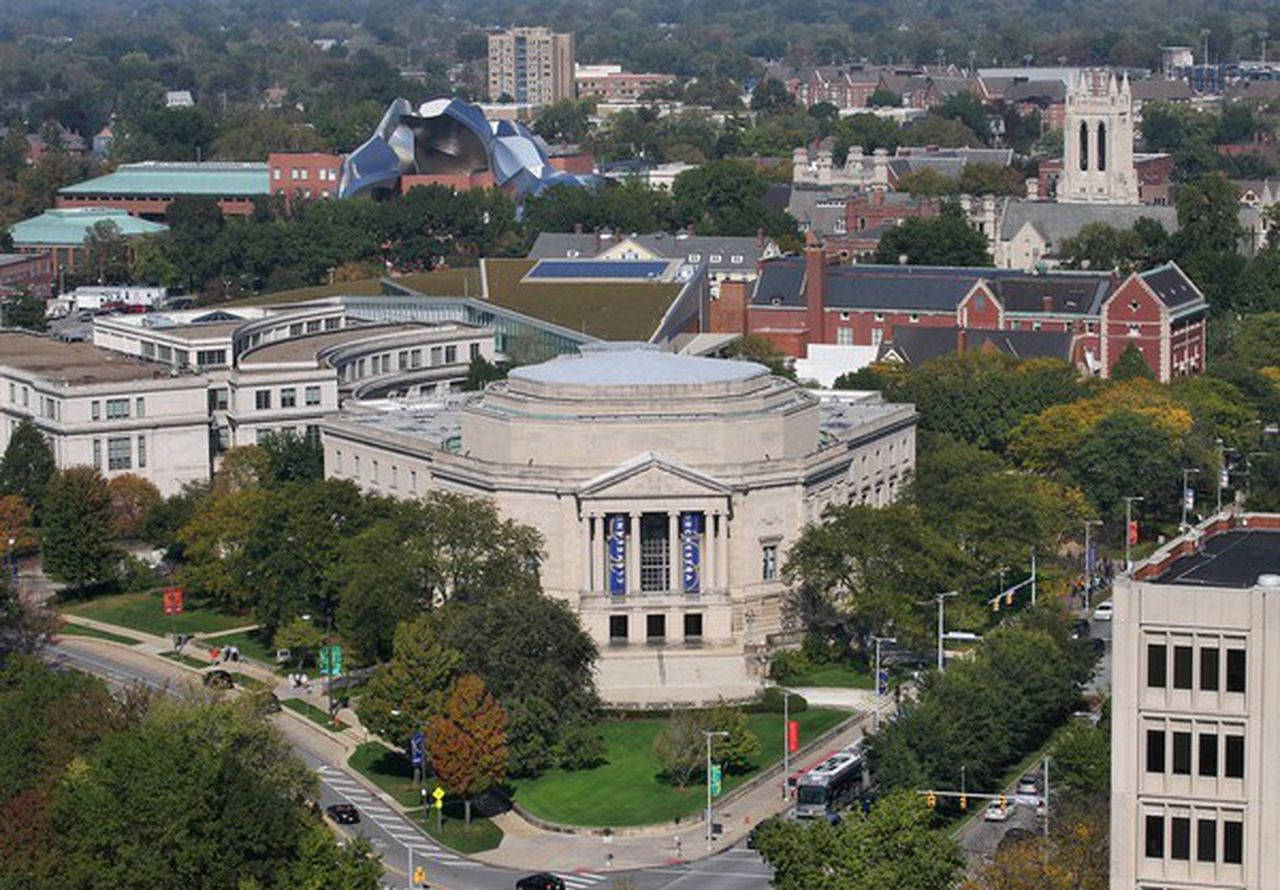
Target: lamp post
{"type": "Point", "coordinates": [941, 599]}
{"type": "Point", "coordinates": [1187, 472]}
{"type": "Point", "coordinates": [11, 564]}
{"type": "Point", "coordinates": [875, 713]}
{"type": "Point", "coordinates": [786, 741]}
{"type": "Point", "coordinates": [710, 733]}
{"type": "Point", "coordinates": [1222, 472]}
{"type": "Point", "coordinates": [1088, 563]}
{"type": "Point", "coordinates": [1128, 523]}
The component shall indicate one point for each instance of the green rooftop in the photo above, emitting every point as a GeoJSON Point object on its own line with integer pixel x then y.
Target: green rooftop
{"type": "Point", "coordinates": [66, 227]}
{"type": "Point", "coordinates": [216, 178]}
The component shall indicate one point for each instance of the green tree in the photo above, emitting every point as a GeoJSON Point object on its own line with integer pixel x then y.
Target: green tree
{"type": "Point", "coordinates": [564, 121]}
{"type": "Point", "coordinates": [291, 457]}
{"type": "Point", "coordinates": [106, 253]}
{"type": "Point", "coordinates": [756, 348]}
{"type": "Point", "coordinates": [946, 240]}
{"type": "Point", "coordinates": [1128, 454]}
{"type": "Point", "coordinates": [883, 98]}
{"type": "Point", "coordinates": [933, 129]}
{"type": "Point", "coordinates": [403, 696]}
{"type": "Point", "coordinates": [736, 752]}
{"type": "Point", "coordinates": [323, 865]}
{"type": "Point", "coordinates": [1131, 365]}
{"type": "Point", "coordinates": [679, 747]}
{"type": "Point", "coordinates": [1082, 758]}
{"type": "Point", "coordinates": [770, 96]}
{"type": "Point", "coordinates": [468, 742]}
{"type": "Point", "coordinates": [132, 500]}
{"type": "Point", "coordinates": [1209, 215]}
{"type": "Point", "coordinates": [892, 846]}
{"type": "Point", "coordinates": [302, 638]}
{"type": "Point", "coordinates": [80, 548]}
{"type": "Point", "coordinates": [1257, 341]}
{"type": "Point", "coordinates": [195, 223]}
{"type": "Point", "coordinates": [24, 309]}
{"type": "Point", "coordinates": [967, 109]}
{"type": "Point", "coordinates": [27, 466]}
{"type": "Point", "coordinates": [481, 372]}
{"type": "Point", "coordinates": [1101, 247]}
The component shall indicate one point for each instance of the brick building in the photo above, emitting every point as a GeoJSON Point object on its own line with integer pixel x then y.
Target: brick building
{"type": "Point", "coordinates": [29, 271]}
{"type": "Point", "coordinates": [801, 301]}
{"type": "Point", "coordinates": [612, 84]}
{"type": "Point", "coordinates": [308, 175]}
{"type": "Point", "coordinates": [58, 234]}
{"type": "Point", "coordinates": [845, 87]}
{"type": "Point", "coordinates": [148, 188]}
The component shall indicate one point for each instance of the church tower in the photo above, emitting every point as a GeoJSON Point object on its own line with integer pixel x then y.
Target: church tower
{"type": "Point", "coordinates": [1097, 164]}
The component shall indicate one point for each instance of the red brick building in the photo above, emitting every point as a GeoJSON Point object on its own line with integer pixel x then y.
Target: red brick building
{"type": "Point", "coordinates": [308, 175]}
{"type": "Point", "coordinates": [868, 215]}
{"type": "Point", "coordinates": [617, 86]}
{"type": "Point", "coordinates": [146, 189]}
{"type": "Point", "coordinates": [29, 271]}
{"type": "Point", "coordinates": [798, 301]}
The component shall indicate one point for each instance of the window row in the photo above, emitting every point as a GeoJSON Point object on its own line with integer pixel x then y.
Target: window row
{"type": "Point", "coordinates": [406, 359]}
{"type": "Point", "coordinates": [118, 409]}
{"type": "Point", "coordinates": [120, 454]}
{"type": "Point", "coordinates": [1214, 669]}
{"type": "Point", "coordinates": [655, 626]}
{"type": "Point", "coordinates": [288, 397]}
{"type": "Point", "coordinates": [1215, 755]}
{"type": "Point", "coordinates": [375, 474]}
{"type": "Point", "coordinates": [311, 433]}
{"type": "Point", "coordinates": [1206, 837]}
{"type": "Point", "coordinates": [13, 395]}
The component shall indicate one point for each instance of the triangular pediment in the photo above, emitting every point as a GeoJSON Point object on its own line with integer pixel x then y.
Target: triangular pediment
{"type": "Point", "coordinates": [650, 475]}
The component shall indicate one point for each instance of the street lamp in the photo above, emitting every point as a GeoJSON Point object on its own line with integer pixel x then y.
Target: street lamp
{"type": "Point", "coordinates": [786, 741]}
{"type": "Point", "coordinates": [1128, 524]}
{"type": "Point", "coordinates": [710, 733]}
{"type": "Point", "coordinates": [875, 713]}
{"type": "Point", "coordinates": [1187, 472]}
{"type": "Point", "coordinates": [941, 599]}
{"type": "Point", "coordinates": [1088, 563]}
{"type": "Point", "coordinates": [1222, 474]}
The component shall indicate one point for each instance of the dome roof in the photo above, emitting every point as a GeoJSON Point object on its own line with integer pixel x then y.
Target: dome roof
{"type": "Point", "coordinates": [636, 364]}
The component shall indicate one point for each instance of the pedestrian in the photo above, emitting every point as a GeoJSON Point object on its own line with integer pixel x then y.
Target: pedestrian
{"type": "Point", "coordinates": [608, 860]}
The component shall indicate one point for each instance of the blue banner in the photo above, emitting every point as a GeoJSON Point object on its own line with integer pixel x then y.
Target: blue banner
{"type": "Point", "coordinates": [690, 552]}
{"type": "Point", "coordinates": [415, 749]}
{"type": "Point", "coordinates": [617, 553]}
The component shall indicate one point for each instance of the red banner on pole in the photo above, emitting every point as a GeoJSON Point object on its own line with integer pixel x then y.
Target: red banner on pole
{"type": "Point", "coordinates": [172, 600]}
{"type": "Point", "coordinates": [1133, 531]}
{"type": "Point", "coordinates": [793, 736]}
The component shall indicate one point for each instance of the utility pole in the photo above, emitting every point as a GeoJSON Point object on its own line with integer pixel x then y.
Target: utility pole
{"type": "Point", "coordinates": [1128, 523]}
{"type": "Point", "coordinates": [786, 741]}
{"type": "Point", "coordinates": [1187, 472]}
{"type": "Point", "coordinates": [710, 733]}
{"type": "Point", "coordinates": [1222, 474]}
{"type": "Point", "coordinates": [941, 599]}
{"type": "Point", "coordinates": [1033, 577]}
{"type": "Point", "coordinates": [875, 713]}
{"type": "Point", "coordinates": [1088, 563]}
{"type": "Point", "coordinates": [1046, 795]}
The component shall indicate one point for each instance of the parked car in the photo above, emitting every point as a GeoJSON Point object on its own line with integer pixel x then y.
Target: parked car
{"type": "Point", "coordinates": [1103, 612]}
{"type": "Point", "coordinates": [343, 813]}
{"type": "Point", "coordinates": [541, 881]}
{"type": "Point", "coordinates": [1029, 785]}
{"type": "Point", "coordinates": [996, 813]}
{"type": "Point", "coordinates": [218, 679]}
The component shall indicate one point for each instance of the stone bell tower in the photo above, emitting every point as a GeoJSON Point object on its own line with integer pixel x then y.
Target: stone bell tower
{"type": "Point", "coordinates": [1097, 164]}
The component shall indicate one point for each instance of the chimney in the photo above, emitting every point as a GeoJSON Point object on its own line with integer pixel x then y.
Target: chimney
{"type": "Point", "coordinates": [877, 197]}
{"type": "Point", "coordinates": [815, 286]}
{"type": "Point", "coordinates": [1046, 303]}
{"type": "Point", "coordinates": [960, 340]}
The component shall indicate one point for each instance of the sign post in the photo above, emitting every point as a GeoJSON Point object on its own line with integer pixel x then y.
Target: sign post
{"type": "Point", "coordinates": [330, 658]}
{"type": "Point", "coordinates": [438, 794]}
{"type": "Point", "coordinates": [171, 600]}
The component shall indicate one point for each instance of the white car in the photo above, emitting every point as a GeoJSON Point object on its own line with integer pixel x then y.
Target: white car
{"type": "Point", "coordinates": [1103, 612]}
{"type": "Point", "coordinates": [995, 813]}
{"type": "Point", "coordinates": [1028, 785]}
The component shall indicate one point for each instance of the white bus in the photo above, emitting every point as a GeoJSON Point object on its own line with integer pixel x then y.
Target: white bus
{"type": "Point", "coordinates": [833, 783]}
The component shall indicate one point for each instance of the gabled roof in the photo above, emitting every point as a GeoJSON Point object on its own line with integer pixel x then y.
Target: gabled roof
{"type": "Point", "coordinates": [68, 226]}
{"type": "Point", "coordinates": [1158, 88]}
{"type": "Point", "coordinates": [914, 345]}
{"type": "Point", "coordinates": [1056, 221]}
{"type": "Point", "coordinates": [1036, 91]}
{"type": "Point", "coordinates": [647, 461]}
{"type": "Point", "coordinates": [1172, 286]}
{"type": "Point", "coordinates": [551, 245]}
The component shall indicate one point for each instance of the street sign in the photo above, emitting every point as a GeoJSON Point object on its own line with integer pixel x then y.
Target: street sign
{"type": "Point", "coordinates": [415, 749]}
{"type": "Point", "coordinates": [438, 794]}
{"type": "Point", "coordinates": [717, 779]}
{"type": "Point", "coordinates": [171, 599]}
{"type": "Point", "coordinates": [882, 684]}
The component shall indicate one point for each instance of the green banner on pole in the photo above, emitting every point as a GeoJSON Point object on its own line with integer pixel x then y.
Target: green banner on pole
{"type": "Point", "coordinates": [717, 779]}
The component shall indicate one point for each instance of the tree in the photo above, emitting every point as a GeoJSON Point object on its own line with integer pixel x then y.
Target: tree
{"type": "Point", "coordinates": [212, 541]}
{"type": "Point", "coordinates": [933, 129]}
{"type": "Point", "coordinates": [1131, 365]}
{"type": "Point", "coordinates": [107, 253]}
{"type": "Point", "coordinates": [679, 747]}
{"type": "Point", "coordinates": [892, 846]}
{"type": "Point", "coordinates": [927, 182]}
{"type": "Point", "coordinates": [292, 458]}
{"type": "Point", "coordinates": [132, 500]}
{"type": "Point", "coordinates": [468, 742]}
{"type": "Point", "coordinates": [1256, 344]}
{"type": "Point", "coordinates": [24, 309]}
{"type": "Point", "coordinates": [883, 98]}
{"type": "Point", "coordinates": [1082, 758]}
{"type": "Point", "coordinates": [1101, 247]}
{"type": "Point", "coordinates": [564, 121]}
{"type": "Point", "coordinates": [967, 109]}
{"type": "Point", "coordinates": [1128, 454]}
{"type": "Point", "coordinates": [481, 372]}
{"type": "Point", "coordinates": [17, 525]}
{"type": "Point", "coordinates": [301, 638]}
{"type": "Point", "coordinates": [403, 696]}
{"type": "Point", "coordinates": [1209, 215]}
{"type": "Point", "coordinates": [770, 96]}
{"type": "Point", "coordinates": [945, 240]}
{"type": "Point", "coordinates": [737, 751]}
{"type": "Point", "coordinates": [79, 544]}
{"type": "Point", "coordinates": [27, 466]}
{"type": "Point", "coordinates": [756, 348]}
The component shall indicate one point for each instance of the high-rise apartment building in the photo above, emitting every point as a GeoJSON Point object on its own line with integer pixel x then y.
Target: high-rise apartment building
{"type": "Point", "coordinates": [531, 65]}
{"type": "Point", "coordinates": [1195, 781]}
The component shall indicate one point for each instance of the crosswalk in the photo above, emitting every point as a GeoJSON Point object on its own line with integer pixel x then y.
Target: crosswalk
{"type": "Point", "coordinates": [579, 880]}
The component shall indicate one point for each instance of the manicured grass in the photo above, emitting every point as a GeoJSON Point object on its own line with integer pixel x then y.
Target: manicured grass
{"type": "Point", "coordinates": [79, 630]}
{"type": "Point", "coordinates": [185, 659]}
{"type": "Point", "coordinates": [144, 612]}
{"type": "Point", "coordinates": [249, 643]}
{"type": "Point", "coordinates": [251, 683]}
{"type": "Point", "coordinates": [312, 713]}
{"type": "Point", "coordinates": [627, 790]}
{"type": "Point", "coordinates": [455, 833]}
{"type": "Point", "coordinates": [389, 770]}
{"type": "Point", "coordinates": [458, 282]}
{"type": "Point", "coordinates": [833, 675]}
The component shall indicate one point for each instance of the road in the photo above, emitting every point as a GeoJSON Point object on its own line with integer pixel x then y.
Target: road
{"type": "Point", "coordinates": [391, 834]}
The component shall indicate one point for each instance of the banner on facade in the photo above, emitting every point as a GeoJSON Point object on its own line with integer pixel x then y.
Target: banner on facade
{"type": "Point", "coordinates": [617, 553]}
{"type": "Point", "coordinates": [690, 551]}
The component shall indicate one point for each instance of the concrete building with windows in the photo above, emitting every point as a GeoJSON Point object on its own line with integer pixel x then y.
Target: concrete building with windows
{"type": "Point", "coordinates": [1195, 800]}
{"type": "Point", "coordinates": [531, 65]}
{"type": "Point", "coordinates": [667, 489]}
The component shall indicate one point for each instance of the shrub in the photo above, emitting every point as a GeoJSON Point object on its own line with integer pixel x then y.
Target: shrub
{"type": "Point", "coordinates": [771, 702]}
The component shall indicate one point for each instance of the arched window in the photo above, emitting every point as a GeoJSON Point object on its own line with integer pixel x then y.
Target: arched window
{"type": "Point", "coordinates": [1084, 146]}
{"type": "Point", "coordinates": [1102, 146]}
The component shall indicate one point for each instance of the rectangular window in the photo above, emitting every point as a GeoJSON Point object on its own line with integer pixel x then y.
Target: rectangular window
{"type": "Point", "coordinates": [1209, 669]}
{"type": "Point", "coordinates": [1155, 837]}
{"type": "Point", "coordinates": [617, 628]}
{"type": "Point", "coordinates": [655, 552]}
{"type": "Point", "coordinates": [262, 399]}
{"type": "Point", "coordinates": [413, 481]}
{"type": "Point", "coordinates": [95, 409]}
{"type": "Point", "coordinates": [1206, 840]}
{"type": "Point", "coordinates": [119, 454]}
{"type": "Point", "coordinates": [313, 326]}
{"type": "Point", "coordinates": [769, 562]}
{"type": "Point", "coordinates": [1182, 753]}
{"type": "Point", "coordinates": [693, 625]}
{"type": "Point", "coordinates": [1209, 754]}
{"type": "Point", "coordinates": [13, 393]}
{"type": "Point", "coordinates": [1180, 838]}
{"type": "Point", "coordinates": [117, 408]}
{"type": "Point", "coordinates": [312, 395]}
{"type": "Point", "coordinates": [142, 452]}
{"type": "Point", "coordinates": [97, 453]}
{"type": "Point", "coordinates": [295, 329]}
{"type": "Point", "coordinates": [1235, 670]}
{"type": "Point", "coordinates": [1157, 666]}
{"type": "Point", "coordinates": [450, 354]}
{"type": "Point", "coordinates": [395, 473]}
{"type": "Point", "coordinates": [288, 397]}
{"type": "Point", "coordinates": [655, 627]}
{"type": "Point", "coordinates": [1233, 757]}
{"type": "Point", "coordinates": [139, 407]}
{"type": "Point", "coordinates": [844, 336]}
{"type": "Point", "coordinates": [415, 358]}
{"type": "Point", "coordinates": [1155, 750]}
{"type": "Point", "coordinates": [165, 353]}
{"type": "Point", "coordinates": [1233, 842]}
{"type": "Point", "coordinates": [473, 351]}
{"type": "Point", "coordinates": [402, 359]}
{"type": "Point", "coordinates": [312, 434]}
{"type": "Point", "coordinates": [331, 324]}
{"type": "Point", "coordinates": [1181, 667]}
{"type": "Point", "coordinates": [181, 357]}
{"type": "Point", "coordinates": [436, 353]}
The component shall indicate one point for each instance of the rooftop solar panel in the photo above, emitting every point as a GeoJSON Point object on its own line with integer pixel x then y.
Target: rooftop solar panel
{"type": "Point", "coordinates": [631, 270]}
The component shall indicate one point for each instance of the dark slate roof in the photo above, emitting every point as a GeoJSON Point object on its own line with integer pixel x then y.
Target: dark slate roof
{"type": "Point", "coordinates": [1157, 88]}
{"type": "Point", "coordinates": [1172, 286]}
{"type": "Point", "coordinates": [1066, 294]}
{"type": "Point", "coordinates": [915, 344]}
{"type": "Point", "coordinates": [1036, 91]}
{"type": "Point", "coordinates": [777, 196]}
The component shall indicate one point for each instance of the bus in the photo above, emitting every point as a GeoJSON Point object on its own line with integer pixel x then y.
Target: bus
{"type": "Point", "coordinates": [832, 784]}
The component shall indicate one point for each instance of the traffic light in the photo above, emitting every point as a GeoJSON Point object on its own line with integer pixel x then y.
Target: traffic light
{"type": "Point", "coordinates": [931, 799]}
{"type": "Point", "coordinates": [964, 802]}
{"type": "Point", "coordinates": [1004, 802]}
{"type": "Point", "coordinates": [419, 876]}
{"type": "Point", "coordinates": [995, 604]}
{"type": "Point", "coordinates": [1008, 598]}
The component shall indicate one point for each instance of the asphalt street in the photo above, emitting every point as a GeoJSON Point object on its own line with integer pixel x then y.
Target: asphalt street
{"type": "Point", "coordinates": [395, 837]}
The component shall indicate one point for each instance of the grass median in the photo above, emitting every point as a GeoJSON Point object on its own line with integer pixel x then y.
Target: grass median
{"type": "Point", "coordinates": [81, 630]}
{"type": "Point", "coordinates": [144, 612]}
{"type": "Point", "coordinates": [312, 713]}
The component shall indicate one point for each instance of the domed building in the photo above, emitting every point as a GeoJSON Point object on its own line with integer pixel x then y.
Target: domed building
{"type": "Point", "coordinates": [667, 488]}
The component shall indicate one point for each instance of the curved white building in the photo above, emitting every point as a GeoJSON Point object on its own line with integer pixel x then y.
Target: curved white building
{"type": "Point", "coordinates": [667, 488]}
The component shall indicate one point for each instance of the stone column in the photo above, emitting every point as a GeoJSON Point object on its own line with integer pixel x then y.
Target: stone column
{"type": "Point", "coordinates": [710, 565]}
{"type": "Point", "coordinates": [633, 553]}
{"type": "Point", "coordinates": [722, 553]}
{"type": "Point", "coordinates": [674, 580]}
{"type": "Point", "coordinates": [588, 521]}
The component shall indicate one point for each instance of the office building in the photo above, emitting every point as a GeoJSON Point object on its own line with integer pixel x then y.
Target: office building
{"type": "Point", "coordinates": [531, 65]}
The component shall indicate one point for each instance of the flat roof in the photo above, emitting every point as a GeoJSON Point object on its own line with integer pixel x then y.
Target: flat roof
{"type": "Point", "coordinates": [216, 178]}
{"type": "Point", "coordinates": [1230, 559]}
{"type": "Point", "coordinates": [73, 363]}
{"type": "Point", "coordinates": [297, 349]}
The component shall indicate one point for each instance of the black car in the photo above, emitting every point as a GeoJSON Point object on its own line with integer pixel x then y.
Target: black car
{"type": "Point", "coordinates": [541, 881]}
{"type": "Point", "coordinates": [218, 679]}
{"type": "Point", "coordinates": [343, 813]}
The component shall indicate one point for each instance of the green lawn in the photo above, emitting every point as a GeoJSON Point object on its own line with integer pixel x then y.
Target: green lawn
{"type": "Point", "coordinates": [626, 789]}
{"type": "Point", "coordinates": [143, 612]}
{"type": "Point", "coordinates": [387, 769]}
{"type": "Point", "coordinates": [832, 675]}
{"type": "Point", "coordinates": [455, 833]}
{"type": "Point", "coordinates": [312, 713]}
{"type": "Point", "coordinates": [79, 630]}
{"type": "Point", "coordinates": [249, 643]}
{"type": "Point", "coordinates": [251, 683]}
{"type": "Point", "coordinates": [185, 659]}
